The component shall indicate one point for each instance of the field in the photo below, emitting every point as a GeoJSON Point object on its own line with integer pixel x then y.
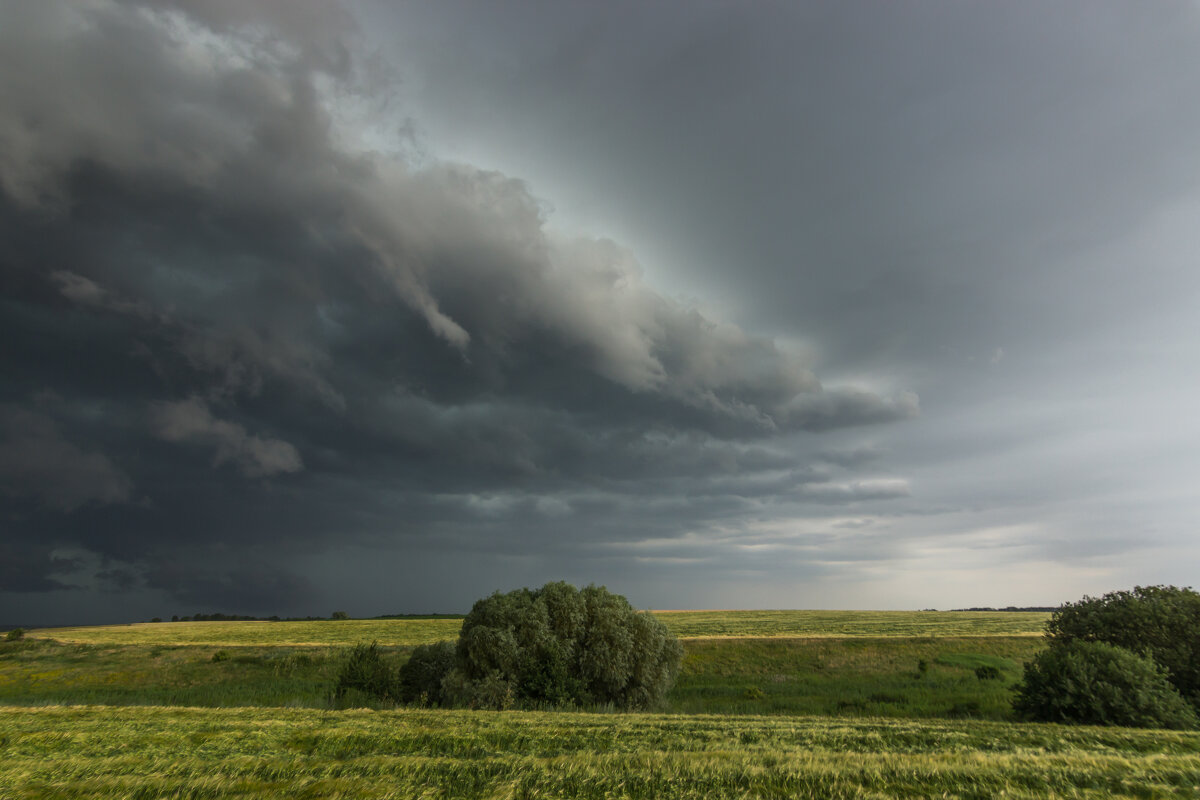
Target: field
{"type": "Point", "coordinates": [78, 752]}
{"type": "Point", "coordinates": [841, 663]}
{"type": "Point", "coordinates": [768, 704]}
{"type": "Point", "coordinates": [842, 624]}
{"type": "Point", "coordinates": [844, 677]}
{"type": "Point", "coordinates": [684, 624]}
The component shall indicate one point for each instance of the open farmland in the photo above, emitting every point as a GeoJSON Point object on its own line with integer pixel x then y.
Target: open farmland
{"type": "Point", "coordinates": [101, 752]}
{"type": "Point", "coordinates": [769, 704]}
{"type": "Point", "coordinates": [684, 624]}
{"type": "Point", "coordinates": [842, 624]}
{"type": "Point", "coordinates": [309, 633]}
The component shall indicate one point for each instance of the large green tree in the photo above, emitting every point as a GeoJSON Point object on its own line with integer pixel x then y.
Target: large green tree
{"type": "Point", "coordinates": [558, 646]}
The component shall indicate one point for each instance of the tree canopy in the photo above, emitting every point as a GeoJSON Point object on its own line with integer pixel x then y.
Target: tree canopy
{"type": "Point", "coordinates": [559, 645]}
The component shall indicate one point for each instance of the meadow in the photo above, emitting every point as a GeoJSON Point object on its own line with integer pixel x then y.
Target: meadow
{"type": "Point", "coordinates": [843, 677]}
{"type": "Point", "coordinates": [126, 753]}
{"type": "Point", "coordinates": [768, 704]}
{"type": "Point", "coordinates": [835, 663]}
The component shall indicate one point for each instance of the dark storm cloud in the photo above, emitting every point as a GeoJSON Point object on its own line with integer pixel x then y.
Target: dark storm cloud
{"type": "Point", "coordinates": [269, 342]}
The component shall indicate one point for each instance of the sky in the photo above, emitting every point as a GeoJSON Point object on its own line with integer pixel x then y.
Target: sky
{"type": "Point", "coordinates": [385, 306]}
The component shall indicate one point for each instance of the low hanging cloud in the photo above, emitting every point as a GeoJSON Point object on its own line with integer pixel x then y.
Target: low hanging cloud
{"type": "Point", "coordinates": [190, 421]}
{"type": "Point", "coordinates": [188, 230]}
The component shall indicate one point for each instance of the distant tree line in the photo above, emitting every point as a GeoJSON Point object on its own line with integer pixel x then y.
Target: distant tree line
{"type": "Point", "coordinates": [1006, 608]}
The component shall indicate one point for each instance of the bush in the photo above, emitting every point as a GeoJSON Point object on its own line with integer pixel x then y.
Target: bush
{"type": "Point", "coordinates": [220, 655]}
{"type": "Point", "coordinates": [367, 671]}
{"type": "Point", "coordinates": [14, 635]}
{"type": "Point", "coordinates": [1096, 683]}
{"type": "Point", "coordinates": [422, 675]}
{"type": "Point", "coordinates": [339, 615]}
{"type": "Point", "coordinates": [560, 646]}
{"type": "Point", "coordinates": [987, 672]}
{"type": "Point", "coordinates": [1161, 622]}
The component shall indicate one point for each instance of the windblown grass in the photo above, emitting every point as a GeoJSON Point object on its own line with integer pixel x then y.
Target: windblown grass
{"type": "Point", "coordinates": [125, 753]}
{"type": "Point", "coordinates": [684, 624]}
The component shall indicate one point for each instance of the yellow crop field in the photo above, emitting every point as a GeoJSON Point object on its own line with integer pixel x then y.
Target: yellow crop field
{"type": "Point", "coordinates": [838, 624]}
{"type": "Point", "coordinates": [684, 624]}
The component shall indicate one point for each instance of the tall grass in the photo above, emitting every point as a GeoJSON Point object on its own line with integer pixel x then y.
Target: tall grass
{"type": "Point", "coordinates": [120, 753]}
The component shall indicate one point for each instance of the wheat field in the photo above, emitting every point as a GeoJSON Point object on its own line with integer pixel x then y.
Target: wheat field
{"type": "Point", "coordinates": [151, 752]}
{"type": "Point", "coordinates": [684, 624]}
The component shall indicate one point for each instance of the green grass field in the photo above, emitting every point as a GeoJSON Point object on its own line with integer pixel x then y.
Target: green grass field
{"type": "Point", "coordinates": [768, 704]}
{"type": "Point", "coordinates": [844, 677]}
{"type": "Point", "coordinates": [126, 753]}
{"type": "Point", "coordinates": [684, 624]}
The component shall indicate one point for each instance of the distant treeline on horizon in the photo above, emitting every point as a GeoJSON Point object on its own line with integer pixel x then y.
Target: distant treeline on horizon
{"type": "Point", "coordinates": [1006, 608]}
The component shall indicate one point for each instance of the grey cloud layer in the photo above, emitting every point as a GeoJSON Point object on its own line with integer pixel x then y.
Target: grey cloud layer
{"type": "Point", "coordinates": [269, 342]}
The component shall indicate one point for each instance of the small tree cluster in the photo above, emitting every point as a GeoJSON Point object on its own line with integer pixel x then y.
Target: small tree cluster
{"type": "Point", "coordinates": [1127, 658]}
{"type": "Point", "coordinates": [551, 647]}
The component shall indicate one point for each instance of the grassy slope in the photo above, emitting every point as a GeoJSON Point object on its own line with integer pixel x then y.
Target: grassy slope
{"type": "Point", "coordinates": [854, 675]}
{"type": "Point", "coordinates": [684, 624]}
{"type": "Point", "coordinates": [120, 753]}
{"type": "Point", "coordinates": [849, 677]}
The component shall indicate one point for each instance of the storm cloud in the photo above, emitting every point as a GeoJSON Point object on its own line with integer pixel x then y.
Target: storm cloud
{"type": "Point", "coordinates": [288, 344]}
{"type": "Point", "coordinates": [314, 304]}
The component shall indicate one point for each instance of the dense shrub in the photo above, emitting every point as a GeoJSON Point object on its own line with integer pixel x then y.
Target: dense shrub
{"type": "Point", "coordinates": [14, 635]}
{"type": "Point", "coordinates": [1097, 683]}
{"type": "Point", "coordinates": [367, 671]}
{"type": "Point", "coordinates": [560, 646]}
{"type": "Point", "coordinates": [987, 672]}
{"type": "Point", "coordinates": [422, 675]}
{"type": "Point", "coordinates": [1161, 622]}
